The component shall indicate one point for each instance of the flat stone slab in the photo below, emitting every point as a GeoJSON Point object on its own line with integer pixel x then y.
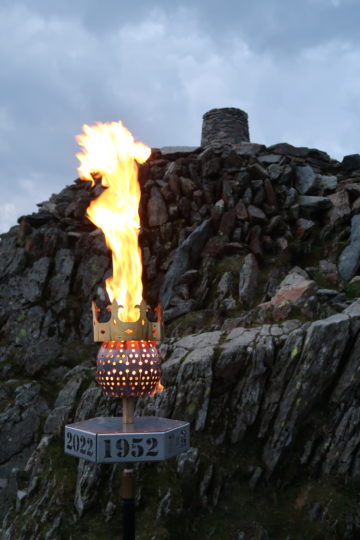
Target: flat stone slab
{"type": "Point", "coordinates": [170, 150]}
{"type": "Point", "coordinates": [109, 440]}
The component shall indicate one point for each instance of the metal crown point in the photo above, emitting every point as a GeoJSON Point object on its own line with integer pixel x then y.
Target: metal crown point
{"type": "Point", "coordinates": [116, 330]}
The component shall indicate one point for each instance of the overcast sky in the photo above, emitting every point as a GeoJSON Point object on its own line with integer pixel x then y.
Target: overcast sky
{"type": "Point", "coordinates": [159, 65]}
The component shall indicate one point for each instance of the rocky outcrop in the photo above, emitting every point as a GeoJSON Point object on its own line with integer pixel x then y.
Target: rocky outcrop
{"type": "Point", "coordinates": [254, 384]}
{"type": "Point", "coordinates": [253, 251]}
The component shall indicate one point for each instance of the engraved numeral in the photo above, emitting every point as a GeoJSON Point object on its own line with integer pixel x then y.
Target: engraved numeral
{"type": "Point", "coordinates": [76, 442]}
{"type": "Point", "coordinates": [137, 449]}
{"type": "Point", "coordinates": [152, 447]}
{"type": "Point", "coordinates": [90, 450]}
{"type": "Point", "coordinates": [107, 444]}
{"type": "Point", "coordinates": [82, 445]}
{"type": "Point", "coordinates": [122, 447]}
{"type": "Point", "coordinates": [69, 440]}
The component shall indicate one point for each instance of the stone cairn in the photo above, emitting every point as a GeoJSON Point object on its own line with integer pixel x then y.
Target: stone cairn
{"type": "Point", "coordinates": [225, 126]}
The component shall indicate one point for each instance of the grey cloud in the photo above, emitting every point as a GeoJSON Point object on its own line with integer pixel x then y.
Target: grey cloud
{"type": "Point", "coordinates": [158, 66]}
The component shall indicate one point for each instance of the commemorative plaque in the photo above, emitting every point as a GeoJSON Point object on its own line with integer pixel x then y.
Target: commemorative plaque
{"type": "Point", "coordinates": [109, 440]}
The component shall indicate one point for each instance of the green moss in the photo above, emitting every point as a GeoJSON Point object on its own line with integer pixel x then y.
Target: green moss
{"type": "Point", "coordinates": [189, 323]}
{"type": "Point", "coordinates": [352, 290]}
{"type": "Point", "coordinates": [191, 408]}
{"type": "Point", "coordinates": [297, 313]}
{"type": "Point", "coordinates": [230, 263]}
{"type": "Point", "coordinates": [21, 316]}
{"type": "Point", "coordinates": [322, 280]}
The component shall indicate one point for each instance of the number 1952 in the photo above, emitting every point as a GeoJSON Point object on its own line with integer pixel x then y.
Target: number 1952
{"type": "Point", "coordinates": [137, 447]}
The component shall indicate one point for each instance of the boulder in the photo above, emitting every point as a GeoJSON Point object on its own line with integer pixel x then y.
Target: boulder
{"type": "Point", "coordinates": [303, 226]}
{"type": "Point", "coordinates": [349, 260]}
{"type": "Point", "coordinates": [173, 152]}
{"type": "Point", "coordinates": [327, 183]}
{"type": "Point", "coordinates": [256, 214]}
{"type": "Point", "coordinates": [156, 209]}
{"type": "Point", "coordinates": [269, 159]}
{"type": "Point", "coordinates": [306, 180]}
{"type": "Point", "coordinates": [241, 211]}
{"type": "Point", "coordinates": [248, 280]}
{"type": "Point", "coordinates": [341, 207]}
{"type": "Point", "coordinates": [185, 258]}
{"type": "Point", "coordinates": [293, 290]}
{"type": "Point", "coordinates": [351, 162]}
{"type": "Point", "coordinates": [314, 203]}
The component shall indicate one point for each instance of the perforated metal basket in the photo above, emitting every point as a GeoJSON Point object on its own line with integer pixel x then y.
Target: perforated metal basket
{"type": "Point", "coordinates": [128, 368]}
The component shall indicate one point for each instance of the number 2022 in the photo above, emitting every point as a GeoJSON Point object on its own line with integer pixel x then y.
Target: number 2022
{"type": "Point", "coordinates": [136, 448]}
{"type": "Point", "coordinates": [79, 444]}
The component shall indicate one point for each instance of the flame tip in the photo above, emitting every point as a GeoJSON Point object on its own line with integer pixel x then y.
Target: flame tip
{"type": "Point", "coordinates": [109, 150]}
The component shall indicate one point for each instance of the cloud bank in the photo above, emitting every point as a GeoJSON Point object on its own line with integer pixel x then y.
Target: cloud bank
{"type": "Point", "coordinates": [159, 72]}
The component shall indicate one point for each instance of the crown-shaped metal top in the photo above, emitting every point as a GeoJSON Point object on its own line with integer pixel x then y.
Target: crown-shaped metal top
{"type": "Point", "coordinates": [116, 330]}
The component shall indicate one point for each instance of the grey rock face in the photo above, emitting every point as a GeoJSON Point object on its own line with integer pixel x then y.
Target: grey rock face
{"type": "Point", "coordinates": [303, 226]}
{"type": "Point", "coordinates": [224, 291]}
{"type": "Point", "coordinates": [20, 421]}
{"type": "Point", "coordinates": [269, 377]}
{"type": "Point", "coordinates": [184, 259]}
{"type": "Point", "coordinates": [248, 279]}
{"type": "Point", "coordinates": [351, 162]}
{"type": "Point", "coordinates": [59, 284]}
{"type": "Point", "coordinates": [341, 207]}
{"type": "Point", "coordinates": [248, 393]}
{"type": "Point", "coordinates": [13, 260]}
{"type": "Point", "coordinates": [90, 273]}
{"type": "Point", "coordinates": [66, 401]}
{"type": "Point", "coordinates": [192, 400]}
{"type": "Point", "coordinates": [269, 159]}
{"type": "Point", "coordinates": [305, 180]}
{"type": "Point", "coordinates": [30, 285]}
{"type": "Point", "coordinates": [349, 260]}
{"type": "Point", "coordinates": [171, 151]}
{"type": "Point", "coordinates": [199, 341]}
{"type": "Point", "coordinates": [40, 354]}
{"type": "Point", "coordinates": [157, 211]}
{"type": "Point", "coordinates": [323, 349]}
{"type": "Point", "coordinates": [314, 202]}
{"type": "Point", "coordinates": [181, 309]}
{"type": "Point", "coordinates": [328, 183]}
{"type": "Point", "coordinates": [249, 149]}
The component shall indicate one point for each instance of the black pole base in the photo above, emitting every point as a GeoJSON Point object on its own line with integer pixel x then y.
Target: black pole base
{"type": "Point", "coordinates": [128, 519]}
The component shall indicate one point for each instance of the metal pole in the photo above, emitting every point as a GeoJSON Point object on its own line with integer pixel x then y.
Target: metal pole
{"type": "Point", "coordinates": [128, 497]}
{"type": "Point", "coordinates": [128, 480]}
{"type": "Point", "coordinates": [128, 410]}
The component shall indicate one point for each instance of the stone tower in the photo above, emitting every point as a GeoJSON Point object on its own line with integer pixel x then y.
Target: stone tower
{"type": "Point", "coordinates": [227, 125]}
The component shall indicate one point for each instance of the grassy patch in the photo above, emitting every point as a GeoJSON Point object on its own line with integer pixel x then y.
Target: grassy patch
{"type": "Point", "coordinates": [322, 280]}
{"type": "Point", "coordinates": [230, 263]}
{"type": "Point", "coordinates": [283, 512]}
{"type": "Point", "coordinates": [352, 290]}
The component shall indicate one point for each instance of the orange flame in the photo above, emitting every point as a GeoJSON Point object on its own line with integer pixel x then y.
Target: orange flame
{"type": "Point", "coordinates": [110, 151]}
{"type": "Point", "coordinates": [158, 388]}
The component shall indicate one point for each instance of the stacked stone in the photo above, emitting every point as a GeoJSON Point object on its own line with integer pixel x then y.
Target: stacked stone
{"type": "Point", "coordinates": [225, 126]}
